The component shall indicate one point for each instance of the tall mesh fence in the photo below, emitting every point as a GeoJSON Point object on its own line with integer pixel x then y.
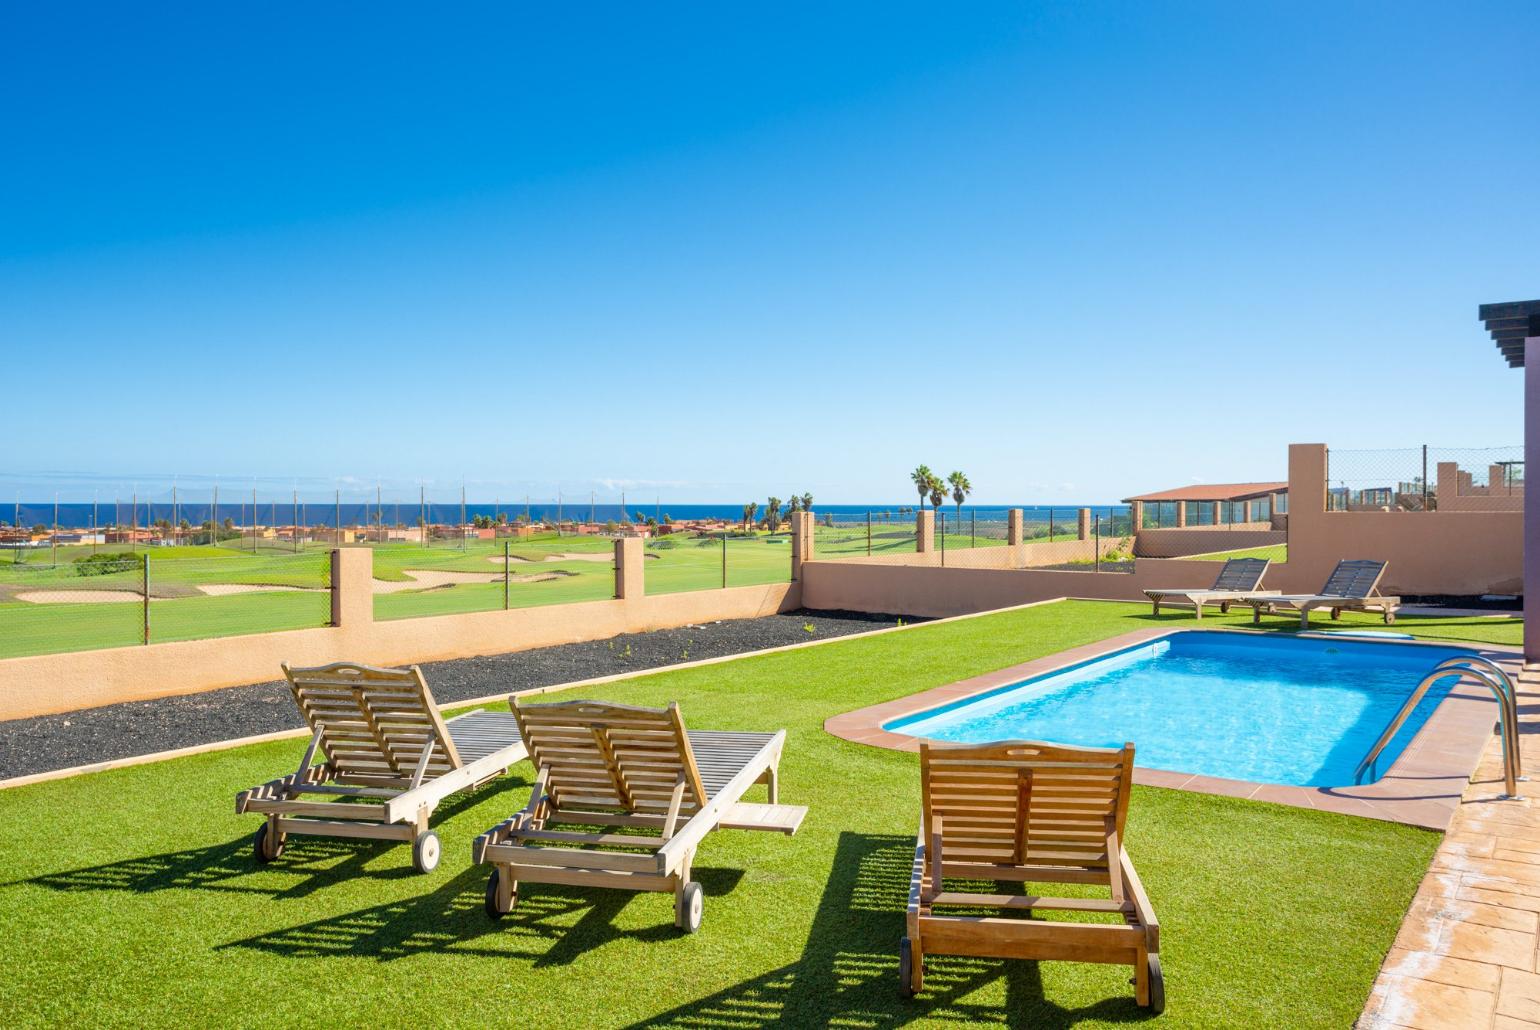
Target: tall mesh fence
{"type": "Point", "coordinates": [117, 599]}
{"type": "Point", "coordinates": [1425, 477]}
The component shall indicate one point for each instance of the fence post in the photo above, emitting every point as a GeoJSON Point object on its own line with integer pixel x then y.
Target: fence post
{"type": "Point", "coordinates": [1083, 524]}
{"type": "Point", "coordinates": [505, 575]}
{"type": "Point", "coordinates": [868, 534]}
{"type": "Point", "coordinates": [1050, 525]}
{"type": "Point", "coordinates": [1424, 477]}
{"type": "Point", "coordinates": [144, 589]}
{"type": "Point", "coordinates": [1098, 543]}
{"type": "Point", "coordinates": [724, 559]}
{"type": "Point", "coordinates": [924, 531]}
{"type": "Point", "coordinates": [1014, 536]}
{"type": "Point", "coordinates": [942, 520]}
{"type": "Point", "coordinates": [628, 568]}
{"type": "Point", "coordinates": [973, 529]}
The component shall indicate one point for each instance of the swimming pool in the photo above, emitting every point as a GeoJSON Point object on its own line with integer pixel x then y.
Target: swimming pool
{"type": "Point", "coordinates": [1298, 711]}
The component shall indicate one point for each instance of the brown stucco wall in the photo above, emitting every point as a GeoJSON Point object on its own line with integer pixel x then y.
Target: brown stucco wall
{"type": "Point", "coordinates": [1437, 552]}
{"type": "Point", "coordinates": [1175, 543]}
{"type": "Point", "coordinates": [955, 590]}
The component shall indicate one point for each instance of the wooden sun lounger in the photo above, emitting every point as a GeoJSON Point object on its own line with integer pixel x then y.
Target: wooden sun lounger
{"type": "Point", "coordinates": [389, 759]}
{"type": "Point", "coordinates": [1023, 811]}
{"type": "Point", "coordinates": [633, 769]}
{"type": "Point", "coordinates": [1237, 581]}
{"type": "Point", "coordinates": [1353, 586]}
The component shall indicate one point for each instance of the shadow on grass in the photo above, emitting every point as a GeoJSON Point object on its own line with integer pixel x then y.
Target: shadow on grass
{"type": "Point", "coordinates": [540, 927]}
{"type": "Point", "coordinates": [320, 862]}
{"type": "Point", "coordinates": [847, 973]}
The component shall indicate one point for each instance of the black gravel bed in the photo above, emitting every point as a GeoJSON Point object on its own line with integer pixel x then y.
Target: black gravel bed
{"type": "Point", "coordinates": [1484, 602]}
{"type": "Point", "coordinates": [49, 742]}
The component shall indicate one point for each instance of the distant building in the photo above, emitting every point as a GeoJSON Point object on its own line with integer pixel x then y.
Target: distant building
{"type": "Point", "coordinates": [1210, 504]}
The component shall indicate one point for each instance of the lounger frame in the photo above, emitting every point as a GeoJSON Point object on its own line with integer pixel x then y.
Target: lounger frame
{"type": "Point", "coordinates": [616, 768]}
{"type": "Point", "coordinates": [388, 760]}
{"type": "Point", "coordinates": [1353, 586]}
{"type": "Point", "coordinates": [1025, 811]}
{"type": "Point", "coordinates": [1237, 583]}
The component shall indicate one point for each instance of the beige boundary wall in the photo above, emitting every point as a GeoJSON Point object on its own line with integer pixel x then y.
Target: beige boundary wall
{"type": "Point", "coordinates": [48, 684]}
{"type": "Point", "coordinates": [955, 590]}
{"type": "Point", "coordinates": [1171, 542]}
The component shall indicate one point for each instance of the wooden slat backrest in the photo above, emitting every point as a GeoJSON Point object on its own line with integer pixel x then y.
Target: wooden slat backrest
{"type": "Point", "coordinates": [374, 723]}
{"type": "Point", "coordinates": [1354, 579]}
{"type": "Point", "coordinates": [1241, 574]}
{"type": "Point", "coordinates": [1026, 803]}
{"type": "Point", "coordinates": [608, 756]}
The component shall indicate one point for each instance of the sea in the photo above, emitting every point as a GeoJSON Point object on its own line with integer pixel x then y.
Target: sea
{"type": "Point", "coordinates": [279, 512]}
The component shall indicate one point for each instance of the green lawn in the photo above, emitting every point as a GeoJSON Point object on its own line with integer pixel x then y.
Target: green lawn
{"type": "Point", "coordinates": [180, 610]}
{"type": "Point", "coordinates": [130, 899]}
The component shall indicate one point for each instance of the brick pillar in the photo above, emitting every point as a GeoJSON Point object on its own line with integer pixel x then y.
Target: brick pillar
{"type": "Point", "coordinates": [1181, 514]}
{"type": "Point", "coordinates": [1446, 483]}
{"type": "Point", "coordinates": [1084, 527]}
{"type": "Point", "coordinates": [1136, 515]}
{"type": "Point", "coordinates": [352, 586]}
{"type": "Point", "coordinates": [802, 523]}
{"type": "Point", "coordinates": [630, 577]}
{"type": "Point", "coordinates": [1214, 514]}
{"type": "Point", "coordinates": [1015, 537]}
{"type": "Point", "coordinates": [924, 531]}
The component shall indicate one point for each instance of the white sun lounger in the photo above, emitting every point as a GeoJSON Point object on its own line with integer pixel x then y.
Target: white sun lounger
{"type": "Point", "coordinates": [635, 769]}
{"type": "Point", "coordinates": [1353, 586]}
{"type": "Point", "coordinates": [389, 757]}
{"type": "Point", "coordinates": [1237, 581]}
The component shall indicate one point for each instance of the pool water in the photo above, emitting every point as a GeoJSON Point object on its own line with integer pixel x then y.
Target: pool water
{"type": "Point", "coordinates": [1270, 709]}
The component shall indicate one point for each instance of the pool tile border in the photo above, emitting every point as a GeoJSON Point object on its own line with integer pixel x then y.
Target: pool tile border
{"type": "Point", "coordinates": [1423, 788]}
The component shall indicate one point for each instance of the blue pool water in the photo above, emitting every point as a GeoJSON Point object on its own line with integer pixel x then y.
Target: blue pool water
{"type": "Point", "coordinates": [1269, 709]}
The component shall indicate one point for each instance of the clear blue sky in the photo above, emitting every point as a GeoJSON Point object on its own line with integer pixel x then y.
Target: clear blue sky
{"type": "Point", "coordinates": [1077, 250]}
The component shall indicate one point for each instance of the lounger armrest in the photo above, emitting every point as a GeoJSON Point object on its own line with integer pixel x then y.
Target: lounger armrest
{"type": "Point", "coordinates": [672, 855]}
{"type": "Point", "coordinates": [1134, 889]}
{"type": "Point", "coordinates": [406, 804]}
{"type": "Point", "coordinates": [917, 876]}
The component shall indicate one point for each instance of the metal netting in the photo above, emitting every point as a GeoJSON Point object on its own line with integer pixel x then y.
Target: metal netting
{"type": "Point", "coordinates": [1419, 478]}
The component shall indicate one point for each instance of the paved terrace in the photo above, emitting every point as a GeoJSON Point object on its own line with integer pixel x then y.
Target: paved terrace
{"type": "Point", "coordinates": [1468, 954]}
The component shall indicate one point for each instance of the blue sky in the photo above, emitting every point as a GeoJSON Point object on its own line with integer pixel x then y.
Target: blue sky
{"type": "Point", "coordinates": [1077, 250]}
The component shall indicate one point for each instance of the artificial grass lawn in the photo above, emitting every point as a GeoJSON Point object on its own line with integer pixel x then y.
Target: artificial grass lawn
{"type": "Point", "coordinates": [130, 897]}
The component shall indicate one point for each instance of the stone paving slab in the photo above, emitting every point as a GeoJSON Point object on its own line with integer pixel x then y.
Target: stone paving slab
{"type": "Point", "coordinates": [1468, 953]}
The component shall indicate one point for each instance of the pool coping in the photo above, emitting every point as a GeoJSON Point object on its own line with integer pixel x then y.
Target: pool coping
{"type": "Point", "coordinates": [1423, 788]}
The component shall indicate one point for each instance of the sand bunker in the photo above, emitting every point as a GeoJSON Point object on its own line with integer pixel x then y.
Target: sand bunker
{"type": "Point", "coordinates": [78, 596]}
{"type": "Point", "coordinates": [221, 589]}
{"type": "Point", "coordinates": [593, 556]}
{"type": "Point", "coordinates": [428, 578]}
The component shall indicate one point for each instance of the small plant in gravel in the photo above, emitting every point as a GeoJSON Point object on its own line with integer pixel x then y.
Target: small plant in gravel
{"type": "Point", "coordinates": [807, 627]}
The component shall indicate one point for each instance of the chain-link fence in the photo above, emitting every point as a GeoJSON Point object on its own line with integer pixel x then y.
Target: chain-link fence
{"type": "Point", "coordinates": [478, 575]}
{"type": "Point", "coordinates": [1425, 478]}
{"type": "Point", "coordinates": [876, 532]}
{"type": "Point", "coordinates": [116, 599]}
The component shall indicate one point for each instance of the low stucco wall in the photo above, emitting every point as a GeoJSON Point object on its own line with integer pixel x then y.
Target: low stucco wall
{"type": "Point", "coordinates": [996, 556]}
{"type": "Point", "coordinates": [938, 592]}
{"type": "Point", "coordinates": [47, 684]}
{"type": "Point", "coordinates": [1177, 542]}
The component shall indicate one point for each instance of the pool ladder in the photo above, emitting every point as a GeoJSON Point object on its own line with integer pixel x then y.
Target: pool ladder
{"type": "Point", "coordinates": [1483, 671]}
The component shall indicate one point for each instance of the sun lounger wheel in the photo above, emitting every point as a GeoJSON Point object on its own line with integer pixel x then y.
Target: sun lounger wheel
{"type": "Point", "coordinates": [266, 845]}
{"type": "Point", "coordinates": [426, 851]}
{"type": "Point", "coordinates": [1157, 987]}
{"type": "Point", "coordinates": [495, 910]}
{"type": "Point", "coordinates": [691, 905]}
{"type": "Point", "coordinates": [906, 968]}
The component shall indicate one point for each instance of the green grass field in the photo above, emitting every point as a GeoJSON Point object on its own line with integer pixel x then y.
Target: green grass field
{"type": "Point", "coordinates": [180, 610]}
{"type": "Point", "coordinates": [130, 897]}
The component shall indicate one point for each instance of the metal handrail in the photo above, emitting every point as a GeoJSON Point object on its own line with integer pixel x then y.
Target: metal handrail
{"type": "Point", "coordinates": [1496, 680]}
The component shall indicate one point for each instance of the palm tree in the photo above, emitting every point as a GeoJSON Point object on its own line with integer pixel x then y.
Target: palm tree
{"type": "Point", "coordinates": [773, 514]}
{"type": "Point", "coordinates": [794, 506]}
{"type": "Point", "coordinates": [807, 502]}
{"type": "Point", "coordinates": [921, 478]}
{"type": "Point", "coordinates": [937, 492]}
{"type": "Point", "coordinates": [749, 511]}
{"type": "Point", "coordinates": [961, 488]}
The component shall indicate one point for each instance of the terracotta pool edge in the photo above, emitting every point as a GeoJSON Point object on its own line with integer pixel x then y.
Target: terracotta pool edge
{"type": "Point", "coordinates": [1423, 788]}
